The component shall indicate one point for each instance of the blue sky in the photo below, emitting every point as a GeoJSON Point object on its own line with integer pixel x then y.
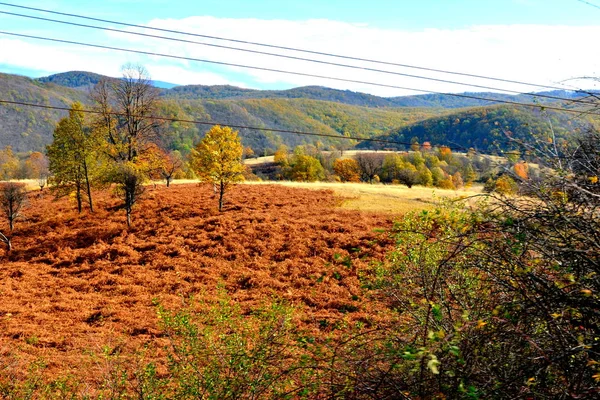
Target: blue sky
{"type": "Point", "coordinates": [548, 42]}
{"type": "Point", "coordinates": [408, 14]}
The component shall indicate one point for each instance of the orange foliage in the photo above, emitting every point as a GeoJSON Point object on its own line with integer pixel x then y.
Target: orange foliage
{"type": "Point", "coordinates": [445, 153]}
{"type": "Point", "coordinates": [347, 169]}
{"type": "Point", "coordinates": [522, 170]}
{"type": "Point", "coordinates": [73, 284]}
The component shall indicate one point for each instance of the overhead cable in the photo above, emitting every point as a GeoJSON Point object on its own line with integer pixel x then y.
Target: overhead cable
{"type": "Point", "coordinates": [283, 47]}
{"type": "Point", "coordinates": [460, 95]}
{"type": "Point", "coordinates": [357, 67]}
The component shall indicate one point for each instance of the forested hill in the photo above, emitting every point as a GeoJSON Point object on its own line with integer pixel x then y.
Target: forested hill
{"type": "Point", "coordinates": [489, 129]}
{"type": "Point", "coordinates": [74, 79]}
{"type": "Point", "coordinates": [30, 129]}
{"type": "Point", "coordinates": [311, 109]}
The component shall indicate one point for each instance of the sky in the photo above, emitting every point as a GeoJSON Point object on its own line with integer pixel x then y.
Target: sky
{"type": "Point", "coordinates": [541, 42]}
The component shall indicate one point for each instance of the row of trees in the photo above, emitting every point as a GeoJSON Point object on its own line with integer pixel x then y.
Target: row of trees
{"type": "Point", "coordinates": [121, 145]}
{"type": "Point", "coordinates": [431, 167]}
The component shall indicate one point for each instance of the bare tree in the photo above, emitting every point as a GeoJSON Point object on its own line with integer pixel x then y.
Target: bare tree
{"type": "Point", "coordinates": [126, 108]}
{"type": "Point", "coordinates": [370, 164]}
{"type": "Point", "coordinates": [172, 165]}
{"type": "Point", "coordinates": [12, 200]}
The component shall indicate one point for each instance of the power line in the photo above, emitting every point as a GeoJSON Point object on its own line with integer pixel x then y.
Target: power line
{"type": "Point", "coordinates": [539, 95]}
{"type": "Point", "coordinates": [589, 4]}
{"type": "Point", "coordinates": [535, 106]}
{"type": "Point", "coordinates": [199, 122]}
{"type": "Point", "coordinates": [285, 47]}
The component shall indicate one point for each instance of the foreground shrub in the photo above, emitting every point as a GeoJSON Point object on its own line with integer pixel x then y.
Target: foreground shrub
{"type": "Point", "coordinates": [222, 353]}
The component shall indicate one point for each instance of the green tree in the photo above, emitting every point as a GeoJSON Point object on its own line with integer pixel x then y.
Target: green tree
{"type": "Point", "coordinates": [469, 174]}
{"type": "Point", "coordinates": [407, 175]}
{"type": "Point", "coordinates": [425, 175]}
{"type": "Point", "coordinates": [73, 157]}
{"type": "Point", "coordinates": [217, 159]}
{"type": "Point", "coordinates": [304, 168]}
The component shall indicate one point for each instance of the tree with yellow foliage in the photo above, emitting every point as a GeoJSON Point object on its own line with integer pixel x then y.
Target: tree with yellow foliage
{"type": "Point", "coordinates": [9, 164]}
{"type": "Point", "coordinates": [217, 159]}
{"type": "Point", "coordinates": [347, 169]}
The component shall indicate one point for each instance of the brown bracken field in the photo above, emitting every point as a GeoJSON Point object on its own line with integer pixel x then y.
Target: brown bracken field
{"type": "Point", "coordinates": [76, 284]}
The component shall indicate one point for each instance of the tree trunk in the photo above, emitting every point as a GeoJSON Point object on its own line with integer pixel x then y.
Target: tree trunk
{"type": "Point", "coordinates": [78, 196]}
{"type": "Point", "coordinates": [168, 181]}
{"type": "Point", "coordinates": [88, 186]}
{"type": "Point", "coordinates": [221, 192]}
{"type": "Point", "coordinates": [7, 241]}
{"type": "Point", "coordinates": [128, 205]}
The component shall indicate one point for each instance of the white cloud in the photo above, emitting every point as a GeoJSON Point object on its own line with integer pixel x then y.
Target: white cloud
{"type": "Point", "coordinates": [529, 53]}
{"type": "Point", "coordinates": [177, 75]}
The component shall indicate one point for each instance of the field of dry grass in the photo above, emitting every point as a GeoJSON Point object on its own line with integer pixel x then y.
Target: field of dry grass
{"type": "Point", "coordinates": [387, 199]}
{"type": "Point", "coordinates": [75, 284]}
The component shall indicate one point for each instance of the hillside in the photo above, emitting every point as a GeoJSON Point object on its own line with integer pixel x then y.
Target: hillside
{"type": "Point", "coordinates": [26, 128]}
{"type": "Point", "coordinates": [312, 109]}
{"type": "Point", "coordinates": [287, 114]}
{"type": "Point", "coordinates": [30, 129]}
{"type": "Point", "coordinates": [488, 129]}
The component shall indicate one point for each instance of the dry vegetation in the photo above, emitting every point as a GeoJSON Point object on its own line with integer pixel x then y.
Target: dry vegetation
{"type": "Point", "coordinates": [386, 199]}
{"type": "Point", "coordinates": [77, 284]}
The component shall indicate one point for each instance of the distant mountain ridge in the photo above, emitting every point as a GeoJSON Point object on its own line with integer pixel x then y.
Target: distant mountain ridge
{"type": "Point", "coordinates": [84, 80]}
{"type": "Point", "coordinates": [440, 119]}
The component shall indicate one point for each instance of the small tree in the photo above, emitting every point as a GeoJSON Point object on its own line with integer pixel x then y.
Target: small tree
{"type": "Point", "coordinates": [248, 152]}
{"type": "Point", "coordinates": [347, 169]}
{"type": "Point", "coordinates": [126, 109]}
{"type": "Point", "coordinates": [217, 159]}
{"type": "Point", "coordinates": [281, 156]}
{"type": "Point", "coordinates": [407, 175]}
{"type": "Point", "coordinates": [457, 180]}
{"type": "Point", "coordinates": [304, 168]}
{"type": "Point", "coordinates": [129, 186]}
{"type": "Point", "coordinates": [12, 199]}
{"type": "Point", "coordinates": [9, 164]}
{"type": "Point", "coordinates": [172, 166]}
{"type": "Point", "coordinates": [37, 164]}
{"type": "Point", "coordinates": [370, 164]}
{"type": "Point", "coordinates": [73, 157]}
